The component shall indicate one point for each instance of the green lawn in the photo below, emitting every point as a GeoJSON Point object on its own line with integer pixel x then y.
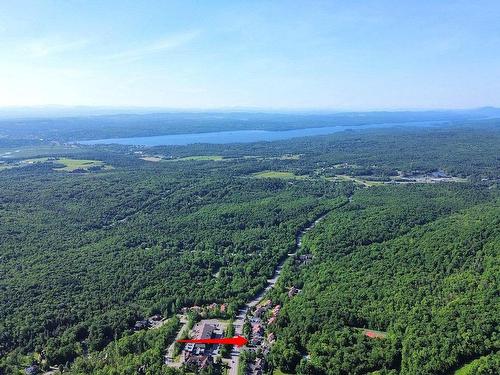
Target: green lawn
{"type": "Point", "coordinates": [467, 368]}
{"type": "Point", "coordinates": [36, 160]}
{"type": "Point", "coordinates": [289, 157]}
{"type": "Point", "coordinates": [71, 165]}
{"type": "Point", "coordinates": [276, 174]}
{"type": "Point", "coordinates": [5, 166]}
{"type": "Point", "coordinates": [68, 165]}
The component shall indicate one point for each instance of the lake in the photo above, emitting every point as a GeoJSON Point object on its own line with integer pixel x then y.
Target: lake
{"type": "Point", "coordinates": [246, 136]}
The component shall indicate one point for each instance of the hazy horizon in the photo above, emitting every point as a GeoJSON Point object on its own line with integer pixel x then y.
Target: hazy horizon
{"type": "Point", "coordinates": [334, 56]}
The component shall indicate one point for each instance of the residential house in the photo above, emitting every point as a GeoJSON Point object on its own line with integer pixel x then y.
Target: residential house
{"type": "Point", "coordinates": [293, 291]}
{"type": "Point", "coordinates": [276, 310]}
{"type": "Point", "coordinates": [32, 370]}
{"type": "Point", "coordinates": [206, 332]}
{"type": "Point", "coordinates": [198, 362]}
{"type": "Point", "coordinates": [257, 329]}
{"type": "Point", "coordinates": [259, 312]}
{"type": "Point", "coordinates": [141, 324]}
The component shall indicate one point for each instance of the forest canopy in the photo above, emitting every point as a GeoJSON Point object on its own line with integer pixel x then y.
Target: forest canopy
{"type": "Point", "coordinates": [408, 248]}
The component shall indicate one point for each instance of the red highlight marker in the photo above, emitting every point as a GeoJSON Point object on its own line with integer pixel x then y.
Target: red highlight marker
{"type": "Point", "coordinates": [237, 340]}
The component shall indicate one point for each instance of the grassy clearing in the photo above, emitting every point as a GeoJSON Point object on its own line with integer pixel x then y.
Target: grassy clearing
{"type": "Point", "coordinates": [71, 165]}
{"type": "Point", "coordinates": [290, 157]}
{"type": "Point", "coordinates": [282, 157]}
{"type": "Point", "coordinates": [6, 166]}
{"type": "Point", "coordinates": [468, 368]}
{"type": "Point", "coordinates": [371, 333]}
{"type": "Point", "coordinates": [360, 181]}
{"type": "Point", "coordinates": [23, 163]}
{"type": "Point", "coordinates": [37, 160]}
{"type": "Point", "coordinates": [276, 174]}
{"type": "Point", "coordinates": [68, 165]}
{"type": "Point", "coordinates": [199, 158]}
{"type": "Point", "coordinates": [347, 165]}
{"type": "Point", "coordinates": [153, 159]}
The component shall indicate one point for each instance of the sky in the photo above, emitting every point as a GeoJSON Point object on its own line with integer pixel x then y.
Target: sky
{"type": "Point", "coordinates": [339, 55]}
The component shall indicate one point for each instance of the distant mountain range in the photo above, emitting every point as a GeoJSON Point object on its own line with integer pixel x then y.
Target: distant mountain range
{"type": "Point", "coordinates": [87, 123]}
{"type": "Point", "coordinates": [52, 111]}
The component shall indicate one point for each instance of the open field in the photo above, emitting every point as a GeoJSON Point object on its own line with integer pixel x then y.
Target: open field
{"type": "Point", "coordinates": [281, 157]}
{"type": "Point", "coordinates": [61, 164]}
{"type": "Point", "coordinates": [468, 368]}
{"type": "Point", "coordinates": [36, 160]}
{"type": "Point", "coordinates": [158, 158]}
{"type": "Point", "coordinates": [199, 158]}
{"type": "Point", "coordinates": [289, 157]}
{"type": "Point", "coordinates": [154, 159]}
{"type": "Point", "coordinates": [428, 180]}
{"type": "Point", "coordinates": [5, 166]}
{"type": "Point", "coordinates": [276, 174]}
{"type": "Point", "coordinates": [371, 333]}
{"type": "Point", "coordinates": [343, 177]}
{"type": "Point", "coordinates": [369, 183]}
{"type": "Point", "coordinates": [71, 165]}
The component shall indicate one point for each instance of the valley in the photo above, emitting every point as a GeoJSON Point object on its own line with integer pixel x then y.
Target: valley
{"type": "Point", "coordinates": [210, 238]}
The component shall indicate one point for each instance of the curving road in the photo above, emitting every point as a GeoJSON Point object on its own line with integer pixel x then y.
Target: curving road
{"type": "Point", "coordinates": [240, 318]}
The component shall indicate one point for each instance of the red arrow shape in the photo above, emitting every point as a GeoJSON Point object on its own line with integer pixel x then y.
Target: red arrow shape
{"type": "Point", "coordinates": [237, 340]}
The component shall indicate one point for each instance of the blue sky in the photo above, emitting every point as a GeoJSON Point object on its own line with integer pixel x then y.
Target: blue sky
{"type": "Point", "coordinates": [263, 54]}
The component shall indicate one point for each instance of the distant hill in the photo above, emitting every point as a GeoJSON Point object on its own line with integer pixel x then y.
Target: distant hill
{"type": "Point", "coordinates": [85, 123]}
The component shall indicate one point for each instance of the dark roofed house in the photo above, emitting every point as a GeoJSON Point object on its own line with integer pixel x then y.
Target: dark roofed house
{"type": "Point", "coordinates": [304, 259]}
{"type": "Point", "coordinates": [260, 311]}
{"type": "Point", "coordinates": [257, 329]}
{"type": "Point", "coordinates": [141, 324]}
{"type": "Point", "coordinates": [259, 366]}
{"type": "Point", "coordinates": [198, 362]}
{"type": "Point", "coordinates": [265, 304]}
{"type": "Point", "coordinates": [206, 332]}
{"type": "Point", "coordinates": [276, 310]}
{"type": "Point", "coordinates": [439, 174]}
{"type": "Point", "coordinates": [32, 370]}
{"type": "Point", "coordinates": [292, 292]}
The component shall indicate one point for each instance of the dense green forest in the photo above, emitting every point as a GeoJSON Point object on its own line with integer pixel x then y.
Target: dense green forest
{"type": "Point", "coordinates": [420, 264]}
{"type": "Point", "coordinates": [83, 255]}
{"type": "Point", "coordinates": [92, 254]}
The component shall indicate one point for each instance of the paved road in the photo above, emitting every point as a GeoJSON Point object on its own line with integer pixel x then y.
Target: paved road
{"type": "Point", "coordinates": [240, 318]}
{"type": "Point", "coordinates": [171, 348]}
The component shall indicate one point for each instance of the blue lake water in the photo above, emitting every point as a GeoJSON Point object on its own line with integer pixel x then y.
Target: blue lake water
{"type": "Point", "coordinates": [246, 136]}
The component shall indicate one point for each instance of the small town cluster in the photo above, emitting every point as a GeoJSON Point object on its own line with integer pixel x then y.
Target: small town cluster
{"type": "Point", "coordinates": [199, 356]}
{"type": "Point", "coordinates": [213, 308]}
{"type": "Point", "coordinates": [256, 326]}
